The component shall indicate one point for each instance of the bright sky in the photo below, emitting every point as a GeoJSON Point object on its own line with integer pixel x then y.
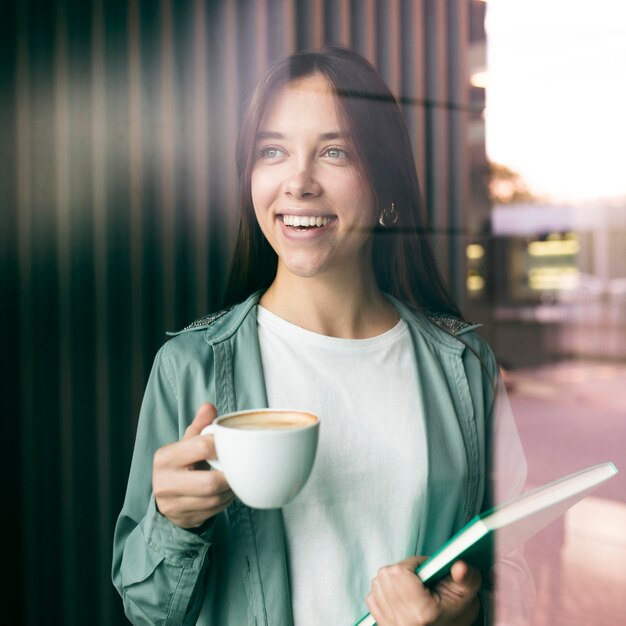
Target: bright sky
{"type": "Point", "coordinates": [556, 94]}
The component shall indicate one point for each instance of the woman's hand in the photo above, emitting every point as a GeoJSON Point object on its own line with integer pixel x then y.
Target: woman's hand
{"type": "Point", "coordinates": [188, 498]}
{"type": "Point", "coordinates": [398, 597]}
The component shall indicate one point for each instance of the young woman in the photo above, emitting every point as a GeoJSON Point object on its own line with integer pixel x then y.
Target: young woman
{"type": "Point", "coordinates": [334, 305]}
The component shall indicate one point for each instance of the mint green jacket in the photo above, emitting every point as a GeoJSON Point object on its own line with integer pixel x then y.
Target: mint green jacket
{"type": "Point", "coordinates": [234, 572]}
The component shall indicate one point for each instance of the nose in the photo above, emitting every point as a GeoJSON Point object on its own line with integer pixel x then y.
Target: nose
{"type": "Point", "coordinates": [302, 181]}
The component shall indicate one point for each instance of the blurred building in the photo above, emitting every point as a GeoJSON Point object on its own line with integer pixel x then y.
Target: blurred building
{"type": "Point", "coordinates": [558, 275]}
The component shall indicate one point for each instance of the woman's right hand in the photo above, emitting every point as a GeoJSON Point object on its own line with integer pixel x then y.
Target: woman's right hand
{"type": "Point", "coordinates": [186, 491]}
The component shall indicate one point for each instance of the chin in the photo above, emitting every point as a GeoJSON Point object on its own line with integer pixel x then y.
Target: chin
{"type": "Point", "coordinates": [303, 265]}
{"type": "Point", "coordinates": [304, 270]}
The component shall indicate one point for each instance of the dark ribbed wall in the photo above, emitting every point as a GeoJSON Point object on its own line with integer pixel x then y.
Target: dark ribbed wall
{"type": "Point", "coordinates": [119, 122]}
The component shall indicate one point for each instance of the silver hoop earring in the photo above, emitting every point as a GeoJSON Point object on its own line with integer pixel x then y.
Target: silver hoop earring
{"type": "Point", "coordinates": [389, 216]}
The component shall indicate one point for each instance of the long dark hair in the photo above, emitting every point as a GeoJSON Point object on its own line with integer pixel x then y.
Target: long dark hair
{"type": "Point", "coordinates": [402, 256]}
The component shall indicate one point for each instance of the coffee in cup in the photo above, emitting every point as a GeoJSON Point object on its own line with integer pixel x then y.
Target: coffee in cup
{"type": "Point", "coordinates": [270, 419]}
{"type": "Point", "coordinates": [266, 454]}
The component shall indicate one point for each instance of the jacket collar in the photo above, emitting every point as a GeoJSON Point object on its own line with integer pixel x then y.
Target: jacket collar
{"type": "Point", "coordinates": [223, 325]}
{"type": "Point", "coordinates": [227, 324]}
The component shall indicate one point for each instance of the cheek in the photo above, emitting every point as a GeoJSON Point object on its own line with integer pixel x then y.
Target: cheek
{"type": "Point", "coordinates": [261, 199]}
{"type": "Point", "coordinates": [256, 191]}
{"type": "Point", "coordinates": [366, 202]}
{"type": "Point", "coordinates": [263, 189]}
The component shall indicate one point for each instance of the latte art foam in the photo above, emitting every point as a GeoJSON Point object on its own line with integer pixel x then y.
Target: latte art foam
{"type": "Point", "coordinates": [269, 421]}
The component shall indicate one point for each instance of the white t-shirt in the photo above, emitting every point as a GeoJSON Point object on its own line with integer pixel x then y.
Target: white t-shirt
{"type": "Point", "coordinates": [360, 508]}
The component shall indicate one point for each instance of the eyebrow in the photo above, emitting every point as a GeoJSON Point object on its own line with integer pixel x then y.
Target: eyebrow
{"type": "Point", "coordinates": [270, 134]}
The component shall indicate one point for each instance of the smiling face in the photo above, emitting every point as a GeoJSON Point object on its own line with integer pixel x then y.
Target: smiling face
{"type": "Point", "coordinates": [311, 201]}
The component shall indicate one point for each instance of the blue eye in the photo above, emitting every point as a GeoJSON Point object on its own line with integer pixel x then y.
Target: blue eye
{"type": "Point", "coordinates": [270, 152]}
{"type": "Point", "coordinates": [336, 153]}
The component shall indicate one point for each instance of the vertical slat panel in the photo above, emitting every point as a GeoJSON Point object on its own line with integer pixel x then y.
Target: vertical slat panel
{"type": "Point", "coordinates": [167, 164]}
{"type": "Point", "coordinates": [435, 183]}
{"type": "Point", "coordinates": [457, 30]}
{"type": "Point", "coordinates": [150, 47]}
{"type": "Point", "coordinates": [363, 31]}
{"type": "Point", "coordinates": [246, 37]}
{"type": "Point", "coordinates": [389, 44]}
{"type": "Point", "coordinates": [83, 575]}
{"type": "Point", "coordinates": [411, 66]}
{"type": "Point", "coordinates": [260, 37]}
{"type": "Point", "coordinates": [10, 366]}
{"type": "Point", "coordinates": [281, 32]}
{"type": "Point", "coordinates": [337, 22]}
{"type": "Point", "coordinates": [198, 225]}
{"type": "Point", "coordinates": [62, 246]}
{"type": "Point", "coordinates": [135, 195]}
{"type": "Point", "coordinates": [101, 408]}
{"type": "Point", "coordinates": [126, 116]}
{"type": "Point", "coordinates": [31, 554]}
{"type": "Point", "coordinates": [44, 446]}
{"type": "Point", "coordinates": [115, 285]}
{"type": "Point", "coordinates": [310, 24]}
{"type": "Point", "coordinates": [289, 16]}
{"type": "Point", "coordinates": [225, 99]}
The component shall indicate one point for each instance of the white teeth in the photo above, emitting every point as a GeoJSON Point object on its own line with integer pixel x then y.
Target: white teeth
{"type": "Point", "coordinates": [305, 221]}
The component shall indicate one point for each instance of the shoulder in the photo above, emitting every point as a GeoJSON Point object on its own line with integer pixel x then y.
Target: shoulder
{"type": "Point", "coordinates": [450, 324]}
{"type": "Point", "coordinates": [189, 345]}
{"type": "Point", "coordinates": [219, 325]}
{"type": "Point", "coordinates": [453, 334]}
{"type": "Point", "coordinates": [479, 361]}
{"type": "Point", "coordinates": [464, 332]}
{"type": "Point", "coordinates": [202, 323]}
{"type": "Point", "coordinates": [441, 329]}
{"type": "Point", "coordinates": [189, 348]}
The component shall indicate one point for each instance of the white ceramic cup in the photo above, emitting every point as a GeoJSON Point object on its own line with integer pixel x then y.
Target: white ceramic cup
{"type": "Point", "coordinates": [266, 454]}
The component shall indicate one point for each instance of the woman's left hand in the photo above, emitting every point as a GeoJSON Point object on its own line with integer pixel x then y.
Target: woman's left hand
{"type": "Point", "coordinates": [398, 597]}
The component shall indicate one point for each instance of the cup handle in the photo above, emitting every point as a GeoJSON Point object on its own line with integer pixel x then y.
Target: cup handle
{"type": "Point", "coordinates": [214, 463]}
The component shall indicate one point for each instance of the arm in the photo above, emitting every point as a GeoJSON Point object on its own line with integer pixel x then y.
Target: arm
{"type": "Point", "coordinates": [510, 590]}
{"type": "Point", "coordinates": [158, 567]}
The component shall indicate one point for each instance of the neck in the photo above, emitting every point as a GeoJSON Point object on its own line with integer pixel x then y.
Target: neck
{"type": "Point", "coordinates": [350, 309]}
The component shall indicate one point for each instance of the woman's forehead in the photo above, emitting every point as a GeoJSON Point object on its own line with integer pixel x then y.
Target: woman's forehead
{"type": "Point", "coordinates": [306, 100]}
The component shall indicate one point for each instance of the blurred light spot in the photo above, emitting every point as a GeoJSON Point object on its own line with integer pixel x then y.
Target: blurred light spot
{"type": "Point", "coordinates": [547, 278]}
{"type": "Point", "coordinates": [479, 79]}
{"type": "Point", "coordinates": [553, 247]}
{"type": "Point", "coordinates": [475, 283]}
{"type": "Point", "coordinates": [475, 251]}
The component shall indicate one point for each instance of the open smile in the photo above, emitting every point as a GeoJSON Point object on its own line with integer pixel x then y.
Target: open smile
{"type": "Point", "coordinates": [305, 222]}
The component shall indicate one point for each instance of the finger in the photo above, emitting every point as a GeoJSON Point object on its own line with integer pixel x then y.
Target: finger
{"type": "Point", "coordinates": [373, 608]}
{"type": "Point", "coordinates": [189, 505]}
{"type": "Point", "coordinates": [405, 593]}
{"type": "Point", "coordinates": [379, 598]}
{"type": "Point", "coordinates": [199, 484]}
{"type": "Point", "coordinates": [205, 414]}
{"type": "Point", "coordinates": [197, 515]}
{"type": "Point", "coordinates": [465, 580]}
{"type": "Point", "coordinates": [413, 562]}
{"type": "Point", "coordinates": [185, 452]}
{"type": "Point", "coordinates": [459, 571]}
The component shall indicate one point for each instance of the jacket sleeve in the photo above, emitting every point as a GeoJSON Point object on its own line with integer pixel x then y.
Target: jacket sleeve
{"type": "Point", "coordinates": [510, 590]}
{"type": "Point", "coordinates": [158, 567]}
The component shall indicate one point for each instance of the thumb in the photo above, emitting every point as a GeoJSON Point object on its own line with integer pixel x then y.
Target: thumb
{"type": "Point", "coordinates": [413, 562]}
{"type": "Point", "coordinates": [465, 576]}
{"type": "Point", "coordinates": [205, 414]}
